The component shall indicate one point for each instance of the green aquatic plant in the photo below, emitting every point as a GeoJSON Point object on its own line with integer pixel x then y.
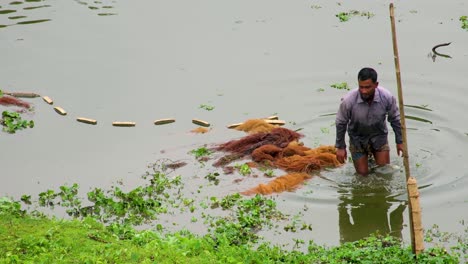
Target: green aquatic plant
{"type": "Point", "coordinates": [134, 207]}
{"type": "Point", "coordinates": [13, 122]}
{"type": "Point", "coordinates": [341, 86]}
{"type": "Point", "coordinates": [244, 169]}
{"type": "Point", "coordinates": [201, 152]}
{"type": "Point", "coordinates": [213, 177]}
{"type": "Point", "coordinates": [206, 107]}
{"type": "Point", "coordinates": [464, 21]}
{"type": "Point", "coordinates": [345, 16]}
{"type": "Point", "coordinates": [246, 218]}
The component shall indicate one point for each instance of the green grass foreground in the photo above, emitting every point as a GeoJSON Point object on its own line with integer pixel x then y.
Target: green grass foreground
{"type": "Point", "coordinates": [25, 238]}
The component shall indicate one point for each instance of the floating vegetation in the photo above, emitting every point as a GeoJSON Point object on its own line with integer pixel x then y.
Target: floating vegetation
{"type": "Point", "coordinates": [345, 16]}
{"type": "Point", "coordinates": [201, 152]}
{"type": "Point", "coordinates": [213, 177]}
{"type": "Point", "coordinates": [341, 86]}
{"type": "Point", "coordinates": [464, 21]}
{"type": "Point", "coordinates": [244, 169]}
{"type": "Point", "coordinates": [206, 107]}
{"type": "Point", "coordinates": [12, 122]}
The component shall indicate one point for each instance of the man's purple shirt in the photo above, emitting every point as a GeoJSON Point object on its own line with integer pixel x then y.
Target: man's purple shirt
{"type": "Point", "coordinates": [366, 123]}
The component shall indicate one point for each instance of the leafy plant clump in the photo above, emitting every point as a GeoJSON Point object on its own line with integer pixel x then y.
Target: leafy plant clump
{"type": "Point", "coordinates": [345, 16]}
{"type": "Point", "coordinates": [12, 122]}
{"type": "Point", "coordinates": [244, 169]}
{"type": "Point", "coordinates": [464, 21]}
{"type": "Point", "coordinates": [28, 239]}
{"type": "Point", "coordinates": [201, 152]}
{"type": "Point", "coordinates": [341, 86]}
{"type": "Point", "coordinates": [207, 107]}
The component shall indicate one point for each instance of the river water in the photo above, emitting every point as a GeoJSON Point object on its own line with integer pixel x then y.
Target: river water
{"type": "Point", "coordinates": [145, 60]}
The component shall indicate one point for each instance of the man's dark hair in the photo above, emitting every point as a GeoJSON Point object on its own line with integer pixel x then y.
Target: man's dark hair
{"type": "Point", "coordinates": [367, 73]}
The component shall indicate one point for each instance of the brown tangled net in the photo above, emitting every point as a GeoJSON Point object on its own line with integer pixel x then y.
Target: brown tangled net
{"type": "Point", "coordinates": [279, 148]}
{"type": "Point", "coordinates": [9, 100]}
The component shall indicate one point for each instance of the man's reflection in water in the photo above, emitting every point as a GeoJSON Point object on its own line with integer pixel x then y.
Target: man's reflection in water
{"type": "Point", "coordinates": [368, 208]}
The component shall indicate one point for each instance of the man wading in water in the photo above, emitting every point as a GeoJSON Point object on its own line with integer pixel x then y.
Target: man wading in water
{"type": "Point", "coordinates": [362, 113]}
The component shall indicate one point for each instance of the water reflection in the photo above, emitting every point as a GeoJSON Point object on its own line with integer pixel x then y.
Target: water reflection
{"type": "Point", "coordinates": [368, 205]}
{"type": "Point", "coordinates": [101, 7]}
{"type": "Point", "coordinates": [20, 13]}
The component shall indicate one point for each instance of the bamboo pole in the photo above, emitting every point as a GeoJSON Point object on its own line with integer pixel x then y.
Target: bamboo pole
{"type": "Point", "coordinates": [413, 195]}
{"type": "Point", "coordinates": [416, 237]}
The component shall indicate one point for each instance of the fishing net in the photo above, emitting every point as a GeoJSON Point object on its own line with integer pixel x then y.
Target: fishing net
{"type": "Point", "coordinates": [288, 182]}
{"type": "Point", "coordinates": [279, 137]}
{"type": "Point", "coordinates": [266, 152]}
{"type": "Point", "coordinates": [9, 100]}
{"type": "Point", "coordinates": [298, 163]}
{"type": "Point", "coordinates": [278, 148]}
{"type": "Point", "coordinates": [255, 125]}
{"type": "Point", "coordinates": [200, 130]}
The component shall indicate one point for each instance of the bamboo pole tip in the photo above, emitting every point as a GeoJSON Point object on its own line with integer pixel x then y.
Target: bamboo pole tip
{"type": "Point", "coordinates": [411, 181]}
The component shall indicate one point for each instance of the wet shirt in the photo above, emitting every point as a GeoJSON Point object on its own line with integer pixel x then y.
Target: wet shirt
{"type": "Point", "coordinates": [365, 122]}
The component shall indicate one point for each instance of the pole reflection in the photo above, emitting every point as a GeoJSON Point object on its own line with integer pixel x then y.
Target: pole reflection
{"type": "Point", "coordinates": [367, 208]}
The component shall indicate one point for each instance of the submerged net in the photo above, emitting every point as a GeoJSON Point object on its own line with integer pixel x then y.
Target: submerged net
{"type": "Point", "coordinates": [9, 100]}
{"type": "Point", "coordinates": [200, 130]}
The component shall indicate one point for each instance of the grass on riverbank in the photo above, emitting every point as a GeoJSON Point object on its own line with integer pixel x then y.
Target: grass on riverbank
{"type": "Point", "coordinates": [26, 238]}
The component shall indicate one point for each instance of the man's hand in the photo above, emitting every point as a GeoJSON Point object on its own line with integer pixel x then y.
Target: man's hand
{"type": "Point", "coordinates": [341, 155]}
{"type": "Point", "coordinates": [399, 148]}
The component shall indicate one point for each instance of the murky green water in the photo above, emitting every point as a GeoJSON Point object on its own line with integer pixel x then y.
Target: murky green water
{"type": "Point", "coordinates": [146, 60]}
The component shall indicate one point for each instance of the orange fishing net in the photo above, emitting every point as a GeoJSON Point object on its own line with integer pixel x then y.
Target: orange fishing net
{"type": "Point", "coordinates": [255, 125]}
{"type": "Point", "coordinates": [200, 130]}
{"type": "Point", "coordinates": [281, 149]}
{"type": "Point", "coordinates": [288, 182]}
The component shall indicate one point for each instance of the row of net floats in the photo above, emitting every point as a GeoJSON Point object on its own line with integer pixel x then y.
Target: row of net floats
{"type": "Point", "coordinates": [273, 120]}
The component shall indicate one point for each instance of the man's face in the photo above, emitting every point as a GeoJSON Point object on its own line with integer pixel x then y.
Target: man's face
{"type": "Point", "coordinates": [367, 89]}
